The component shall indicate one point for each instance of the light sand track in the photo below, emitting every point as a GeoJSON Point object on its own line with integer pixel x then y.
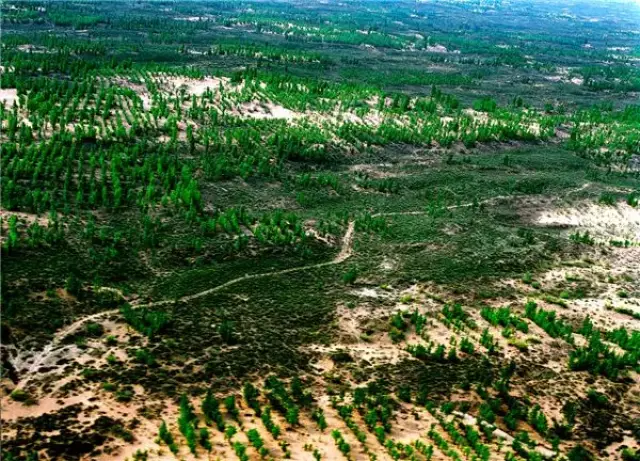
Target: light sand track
{"type": "Point", "coordinates": [346, 251]}
{"type": "Point", "coordinates": [51, 349]}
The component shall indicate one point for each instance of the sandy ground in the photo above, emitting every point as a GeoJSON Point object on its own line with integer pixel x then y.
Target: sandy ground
{"type": "Point", "coordinates": [8, 96]}
{"type": "Point", "coordinates": [362, 329]}
{"type": "Point", "coordinates": [266, 111]}
{"type": "Point", "coordinates": [620, 222]}
{"type": "Point", "coordinates": [27, 218]}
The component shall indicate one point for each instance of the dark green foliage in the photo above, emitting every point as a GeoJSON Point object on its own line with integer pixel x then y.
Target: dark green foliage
{"type": "Point", "coordinates": [254, 439]}
{"type": "Point", "coordinates": [211, 411]}
{"type": "Point", "coordinates": [457, 316]}
{"type": "Point", "coordinates": [167, 438]}
{"type": "Point", "coordinates": [227, 332]}
{"type": "Point", "coordinates": [187, 423]}
{"type": "Point", "coordinates": [487, 341]}
{"type": "Point", "coordinates": [607, 198]}
{"type": "Point", "coordinates": [538, 420]}
{"type": "Point", "coordinates": [145, 357]}
{"type": "Point", "coordinates": [230, 406]}
{"type": "Point", "coordinates": [350, 276]}
{"type": "Point", "coordinates": [273, 428]}
{"type": "Point", "coordinates": [628, 341]}
{"type": "Point", "coordinates": [343, 446]}
{"type": "Point", "coordinates": [485, 105]}
{"type": "Point", "coordinates": [404, 394]}
{"type": "Point", "coordinates": [318, 417]}
{"type": "Point", "coordinates": [145, 321]}
{"type": "Point", "coordinates": [250, 394]}
{"type": "Point", "coordinates": [240, 450]}
{"type": "Point", "coordinates": [598, 358]}
{"type": "Point", "coordinates": [299, 394]}
{"type": "Point", "coordinates": [547, 320]}
{"type": "Point", "coordinates": [73, 285]}
{"type": "Point", "coordinates": [485, 412]}
{"type": "Point", "coordinates": [584, 238]}
{"type": "Point", "coordinates": [118, 171]}
{"type": "Point", "coordinates": [466, 346]}
{"type": "Point", "coordinates": [281, 400]}
{"type": "Point", "coordinates": [203, 439]}
{"type": "Point", "coordinates": [502, 316]}
{"type": "Point", "coordinates": [398, 327]}
{"type": "Point", "coordinates": [579, 453]}
{"type": "Point", "coordinates": [94, 329]}
{"type": "Point", "coordinates": [629, 454]}
{"type": "Point", "coordinates": [597, 399]}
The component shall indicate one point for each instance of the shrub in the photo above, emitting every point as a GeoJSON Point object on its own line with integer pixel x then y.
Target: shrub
{"type": "Point", "coordinates": [94, 329]}
{"type": "Point", "coordinates": [281, 400]}
{"type": "Point", "coordinates": [20, 395]}
{"type": "Point", "coordinates": [404, 394]}
{"type": "Point", "coordinates": [547, 320]}
{"type": "Point", "coordinates": [229, 431]}
{"type": "Point", "coordinates": [318, 417]}
{"type": "Point", "coordinates": [585, 238]}
{"type": "Point", "coordinates": [538, 420]}
{"type": "Point", "coordinates": [147, 322]}
{"type": "Point", "coordinates": [486, 413]}
{"type": "Point", "coordinates": [73, 285]}
{"type": "Point", "coordinates": [226, 330]}
{"type": "Point", "coordinates": [629, 454]}
{"type": "Point", "coordinates": [254, 438]}
{"type": "Point", "coordinates": [230, 405]}
{"type": "Point", "coordinates": [579, 453]}
{"type": "Point", "coordinates": [343, 446]}
{"type": "Point", "coordinates": [607, 198]}
{"type": "Point", "coordinates": [269, 424]}
{"type": "Point", "coordinates": [350, 276]}
{"type": "Point", "coordinates": [466, 346]}
{"type": "Point", "coordinates": [251, 394]}
{"type": "Point", "coordinates": [597, 399]}
{"type": "Point", "coordinates": [165, 436]}
{"type": "Point", "coordinates": [211, 411]}
{"type": "Point", "coordinates": [203, 439]}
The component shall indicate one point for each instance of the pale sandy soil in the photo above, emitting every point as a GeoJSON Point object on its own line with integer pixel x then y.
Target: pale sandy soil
{"type": "Point", "coordinates": [603, 222]}
{"type": "Point", "coordinates": [140, 89]}
{"type": "Point", "coordinates": [381, 170]}
{"type": "Point", "coordinates": [437, 49]}
{"type": "Point", "coordinates": [8, 96]}
{"type": "Point", "coordinates": [198, 87]}
{"type": "Point", "coordinates": [33, 49]}
{"type": "Point", "coordinates": [549, 383]}
{"type": "Point", "coordinates": [266, 111]}
{"type": "Point", "coordinates": [27, 218]}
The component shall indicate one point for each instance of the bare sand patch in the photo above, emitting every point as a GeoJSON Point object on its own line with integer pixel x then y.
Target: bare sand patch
{"type": "Point", "coordinates": [28, 218]}
{"type": "Point", "coordinates": [199, 87]}
{"type": "Point", "coordinates": [8, 96]}
{"type": "Point", "coordinates": [437, 49]}
{"type": "Point", "coordinates": [267, 111]}
{"type": "Point", "coordinates": [33, 49]}
{"type": "Point", "coordinates": [376, 354]}
{"type": "Point", "coordinates": [140, 89]}
{"type": "Point", "coordinates": [381, 170]}
{"type": "Point", "coordinates": [602, 222]}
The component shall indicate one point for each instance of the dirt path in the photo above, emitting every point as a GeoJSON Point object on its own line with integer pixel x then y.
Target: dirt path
{"type": "Point", "coordinates": [346, 251]}
{"type": "Point", "coordinates": [50, 349]}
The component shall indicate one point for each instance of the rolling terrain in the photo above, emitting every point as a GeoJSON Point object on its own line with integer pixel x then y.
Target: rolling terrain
{"type": "Point", "coordinates": [320, 230]}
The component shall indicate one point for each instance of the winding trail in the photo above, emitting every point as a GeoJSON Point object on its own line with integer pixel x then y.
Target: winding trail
{"type": "Point", "coordinates": [346, 251]}
{"type": "Point", "coordinates": [51, 349]}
